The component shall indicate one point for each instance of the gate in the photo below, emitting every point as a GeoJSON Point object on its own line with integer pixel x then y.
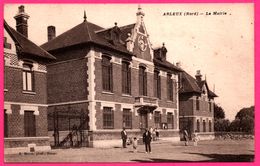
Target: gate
{"type": "Point", "coordinates": [70, 128]}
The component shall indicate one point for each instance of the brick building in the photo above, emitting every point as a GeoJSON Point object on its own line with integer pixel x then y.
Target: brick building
{"type": "Point", "coordinates": [196, 105]}
{"type": "Point", "coordinates": [105, 79]}
{"type": "Point", "coordinates": [25, 92]}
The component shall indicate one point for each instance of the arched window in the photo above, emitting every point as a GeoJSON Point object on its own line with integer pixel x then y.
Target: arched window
{"type": "Point", "coordinates": [28, 77]}
{"type": "Point", "coordinates": [198, 125]}
{"type": "Point", "coordinates": [107, 78]}
{"type": "Point", "coordinates": [142, 81]}
{"type": "Point", "coordinates": [204, 126]}
{"type": "Point", "coordinates": [157, 84]}
{"type": "Point", "coordinates": [126, 78]}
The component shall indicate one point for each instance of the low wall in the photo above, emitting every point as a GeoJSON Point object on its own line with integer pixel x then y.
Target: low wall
{"type": "Point", "coordinates": [233, 135]}
{"type": "Point", "coordinates": [23, 144]}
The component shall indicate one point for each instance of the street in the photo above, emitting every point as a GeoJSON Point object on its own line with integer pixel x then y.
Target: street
{"type": "Point", "coordinates": [206, 151]}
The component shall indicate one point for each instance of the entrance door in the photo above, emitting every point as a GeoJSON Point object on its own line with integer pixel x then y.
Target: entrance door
{"type": "Point", "coordinates": [143, 121]}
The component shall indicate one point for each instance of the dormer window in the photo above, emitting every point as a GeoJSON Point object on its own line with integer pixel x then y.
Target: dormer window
{"type": "Point", "coordinates": [28, 77]}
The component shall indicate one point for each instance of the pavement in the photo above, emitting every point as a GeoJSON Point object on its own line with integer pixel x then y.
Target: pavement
{"type": "Point", "coordinates": [162, 151]}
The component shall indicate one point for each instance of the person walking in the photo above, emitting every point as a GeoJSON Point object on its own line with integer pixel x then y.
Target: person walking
{"type": "Point", "coordinates": [186, 137]}
{"type": "Point", "coordinates": [135, 144]}
{"type": "Point", "coordinates": [147, 138]}
{"type": "Point", "coordinates": [124, 137]}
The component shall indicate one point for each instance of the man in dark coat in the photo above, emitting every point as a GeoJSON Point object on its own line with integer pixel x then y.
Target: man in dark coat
{"type": "Point", "coordinates": [124, 137]}
{"type": "Point", "coordinates": [147, 138]}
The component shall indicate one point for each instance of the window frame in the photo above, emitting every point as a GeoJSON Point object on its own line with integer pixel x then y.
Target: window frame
{"type": "Point", "coordinates": [107, 73]}
{"type": "Point", "coordinates": [28, 70]}
{"type": "Point", "coordinates": [169, 87]}
{"type": "Point", "coordinates": [142, 81]}
{"type": "Point", "coordinates": [157, 84]}
{"type": "Point", "coordinates": [170, 123]}
{"type": "Point", "coordinates": [127, 118]}
{"type": "Point", "coordinates": [108, 117]}
{"type": "Point", "coordinates": [157, 119]}
{"type": "Point", "coordinates": [198, 125]}
{"type": "Point", "coordinates": [126, 78]}
{"type": "Point", "coordinates": [197, 103]}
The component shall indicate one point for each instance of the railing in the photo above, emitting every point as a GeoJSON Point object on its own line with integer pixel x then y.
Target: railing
{"type": "Point", "coordinates": [144, 100]}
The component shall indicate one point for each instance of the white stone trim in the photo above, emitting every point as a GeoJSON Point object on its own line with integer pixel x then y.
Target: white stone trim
{"type": "Point", "coordinates": [142, 61]}
{"type": "Point", "coordinates": [29, 108]}
{"type": "Point", "coordinates": [26, 104]}
{"type": "Point", "coordinates": [8, 109]}
{"type": "Point", "coordinates": [91, 89]}
{"type": "Point", "coordinates": [71, 102]}
{"type": "Point", "coordinates": [197, 117]}
{"type": "Point", "coordinates": [108, 104]}
{"type": "Point", "coordinates": [171, 110]}
{"type": "Point", "coordinates": [127, 106]}
{"type": "Point", "coordinates": [163, 73]}
{"type": "Point", "coordinates": [116, 60]}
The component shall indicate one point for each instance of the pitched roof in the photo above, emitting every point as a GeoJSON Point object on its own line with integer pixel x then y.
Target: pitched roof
{"type": "Point", "coordinates": [190, 84]}
{"type": "Point", "coordinates": [26, 45]}
{"type": "Point", "coordinates": [86, 32]}
{"type": "Point", "coordinates": [166, 64]}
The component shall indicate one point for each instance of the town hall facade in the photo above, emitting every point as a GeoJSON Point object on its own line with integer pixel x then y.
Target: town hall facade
{"type": "Point", "coordinates": [94, 82]}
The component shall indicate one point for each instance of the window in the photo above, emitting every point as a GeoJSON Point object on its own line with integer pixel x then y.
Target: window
{"type": "Point", "coordinates": [210, 126]}
{"type": "Point", "coordinates": [107, 79]}
{"type": "Point", "coordinates": [157, 119]}
{"type": "Point", "coordinates": [210, 105]}
{"type": "Point", "coordinates": [204, 126]}
{"type": "Point", "coordinates": [198, 125]}
{"type": "Point", "coordinates": [142, 81]}
{"type": "Point", "coordinates": [29, 124]}
{"type": "Point", "coordinates": [197, 104]}
{"type": "Point", "coordinates": [127, 118]}
{"type": "Point", "coordinates": [108, 118]}
{"type": "Point", "coordinates": [169, 87]}
{"type": "Point", "coordinates": [28, 77]}
{"type": "Point", "coordinates": [170, 120]}
{"type": "Point", "coordinates": [157, 84]}
{"type": "Point", "coordinates": [5, 124]}
{"type": "Point", "coordinates": [126, 78]}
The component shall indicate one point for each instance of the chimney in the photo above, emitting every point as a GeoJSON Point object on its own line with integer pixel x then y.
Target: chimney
{"type": "Point", "coordinates": [51, 32]}
{"type": "Point", "coordinates": [198, 76]}
{"type": "Point", "coordinates": [178, 64]}
{"type": "Point", "coordinates": [21, 21]}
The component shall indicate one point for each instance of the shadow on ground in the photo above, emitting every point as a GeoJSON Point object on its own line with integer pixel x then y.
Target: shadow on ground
{"type": "Point", "coordinates": [212, 158]}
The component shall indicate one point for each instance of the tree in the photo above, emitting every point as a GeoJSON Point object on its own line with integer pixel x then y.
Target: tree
{"type": "Point", "coordinates": [221, 125]}
{"type": "Point", "coordinates": [218, 112]}
{"type": "Point", "coordinates": [244, 120]}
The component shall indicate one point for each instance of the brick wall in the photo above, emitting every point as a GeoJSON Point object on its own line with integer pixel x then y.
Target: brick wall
{"type": "Point", "coordinates": [16, 122]}
{"type": "Point", "coordinates": [14, 85]}
{"type": "Point", "coordinates": [67, 81]}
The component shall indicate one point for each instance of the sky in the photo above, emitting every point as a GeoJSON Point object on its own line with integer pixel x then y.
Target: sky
{"type": "Point", "coordinates": [220, 46]}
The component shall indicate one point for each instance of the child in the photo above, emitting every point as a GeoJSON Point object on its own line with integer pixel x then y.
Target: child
{"type": "Point", "coordinates": [135, 144]}
{"type": "Point", "coordinates": [195, 138]}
